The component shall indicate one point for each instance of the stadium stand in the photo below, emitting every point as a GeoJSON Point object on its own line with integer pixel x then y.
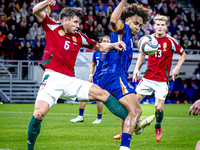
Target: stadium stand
{"type": "Point", "coordinates": [22, 39]}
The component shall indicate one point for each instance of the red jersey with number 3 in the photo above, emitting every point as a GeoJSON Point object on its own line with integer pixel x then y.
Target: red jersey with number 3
{"type": "Point", "coordinates": [61, 48]}
{"type": "Point", "coordinates": [159, 64]}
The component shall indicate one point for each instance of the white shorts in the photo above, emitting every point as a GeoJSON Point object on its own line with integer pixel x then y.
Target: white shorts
{"type": "Point", "coordinates": [146, 87]}
{"type": "Point", "coordinates": [55, 85]}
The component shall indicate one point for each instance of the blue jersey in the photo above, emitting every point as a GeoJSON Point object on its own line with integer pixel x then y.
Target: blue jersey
{"type": "Point", "coordinates": [98, 61]}
{"type": "Point", "coordinates": [113, 76]}
{"type": "Point", "coordinates": [119, 61]}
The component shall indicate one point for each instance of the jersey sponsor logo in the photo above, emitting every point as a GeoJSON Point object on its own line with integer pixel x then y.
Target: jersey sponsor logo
{"type": "Point", "coordinates": [164, 46]}
{"type": "Point", "coordinates": [61, 32]}
{"type": "Point", "coordinates": [74, 39]}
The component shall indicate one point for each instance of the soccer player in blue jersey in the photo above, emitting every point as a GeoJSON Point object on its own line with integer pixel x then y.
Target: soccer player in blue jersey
{"type": "Point", "coordinates": [97, 63]}
{"type": "Point", "coordinates": [113, 77]}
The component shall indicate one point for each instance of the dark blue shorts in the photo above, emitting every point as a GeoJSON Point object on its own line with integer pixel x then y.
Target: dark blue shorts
{"type": "Point", "coordinates": [116, 84]}
{"type": "Point", "coordinates": [96, 82]}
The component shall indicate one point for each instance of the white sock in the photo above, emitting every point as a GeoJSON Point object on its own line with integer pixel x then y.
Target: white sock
{"type": "Point", "coordinates": [124, 148]}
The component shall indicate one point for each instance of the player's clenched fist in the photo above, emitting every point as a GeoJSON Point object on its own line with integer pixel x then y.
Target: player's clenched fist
{"type": "Point", "coordinates": [119, 45]}
{"type": "Point", "coordinates": [51, 2]}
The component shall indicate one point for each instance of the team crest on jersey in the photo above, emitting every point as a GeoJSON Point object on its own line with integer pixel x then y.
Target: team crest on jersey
{"type": "Point", "coordinates": [74, 39]}
{"type": "Point", "coordinates": [164, 46]}
{"type": "Point", "coordinates": [61, 32]}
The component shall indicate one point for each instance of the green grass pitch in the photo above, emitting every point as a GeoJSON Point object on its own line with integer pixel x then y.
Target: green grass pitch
{"type": "Point", "coordinates": [180, 131]}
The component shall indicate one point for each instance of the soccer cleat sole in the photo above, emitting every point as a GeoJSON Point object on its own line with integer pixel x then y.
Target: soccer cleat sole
{"type": "Point", "coordinates": [143, 124]}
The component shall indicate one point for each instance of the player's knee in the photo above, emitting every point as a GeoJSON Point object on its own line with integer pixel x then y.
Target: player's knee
{"type": "Point", "coordinates": [98, 94]}
{"type": "Point", "coordinates": [158, 108]}
{"type": "Point", "coordinates": [103, 94]}
{"type": "Point", "coordinates": [106, 93]}
{"type": "Point", "coordinates": [39, 114]}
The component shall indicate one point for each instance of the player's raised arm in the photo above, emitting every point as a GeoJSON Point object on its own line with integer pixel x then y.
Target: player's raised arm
{"type": "Point", "coordinates": [38, 9]}
{"type": "Point", "coordinates": [175, 71]}
{"type": "Point", "coordinates": [105, 47]}
{"type": "Point", "coordinates": [114, 19]}
{"type": "Point", "coordinates": [138, 64]}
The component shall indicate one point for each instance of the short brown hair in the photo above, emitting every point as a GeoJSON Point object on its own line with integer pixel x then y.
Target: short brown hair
{"type": "Point", "coordinates": [69, 12]}
{"type": "Point", "coordinates": [135, 9]}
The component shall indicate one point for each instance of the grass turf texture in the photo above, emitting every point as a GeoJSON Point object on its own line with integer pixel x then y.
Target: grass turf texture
{"type": "Point", "coordinates": [180, 131]}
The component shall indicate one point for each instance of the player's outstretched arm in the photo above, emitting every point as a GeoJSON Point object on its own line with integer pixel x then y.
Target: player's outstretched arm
{"type": "Point", "coordinates": [114, 19]}
{"type": "Point", "coordinates": [105, 47]}
{"type": "Point", "coordinates": [195, 108]}
{"type": "Point", "coordinates": [38, 9]}
{"type": "Point", "coordinates": [175, 71]}
{"type": "Point", "coordinates": [138, 64]}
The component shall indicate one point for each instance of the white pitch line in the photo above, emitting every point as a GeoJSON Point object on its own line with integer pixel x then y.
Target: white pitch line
{"type": "Point", "coordinates": [72, 114]}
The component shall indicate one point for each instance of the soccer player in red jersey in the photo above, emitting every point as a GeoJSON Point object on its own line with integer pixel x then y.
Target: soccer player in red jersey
{"type": "Point", "coordinates": [158, 70]}
{"type": "Point", "coordinates": [63, 42]}
{"type": "Point", "coordinates": [95, 70]}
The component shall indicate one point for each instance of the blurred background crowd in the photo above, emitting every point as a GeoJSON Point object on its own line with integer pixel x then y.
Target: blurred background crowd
{"type": "Point", "coordinates": [22, 37]}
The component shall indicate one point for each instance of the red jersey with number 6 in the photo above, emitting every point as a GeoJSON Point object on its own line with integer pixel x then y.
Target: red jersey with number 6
{"type": "Point", "coordinates": [61, 48]}
{"type": "Point", "coordinates": [159, 64]}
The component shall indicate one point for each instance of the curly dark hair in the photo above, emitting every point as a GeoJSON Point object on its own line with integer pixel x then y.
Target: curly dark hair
{"type": "Point", "coordinates": [69, 12]}
{"type": "Point", "coordinates": [135, 9]}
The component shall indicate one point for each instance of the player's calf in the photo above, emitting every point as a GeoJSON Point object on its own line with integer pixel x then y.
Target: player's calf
{"type": "Point", "coordinates": [116, 107]}
{"type": "Point", "coordinates": [98, 94]}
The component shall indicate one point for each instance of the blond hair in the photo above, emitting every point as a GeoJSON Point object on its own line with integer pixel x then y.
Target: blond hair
{"type": "Point", "coordinates": [160, 17]}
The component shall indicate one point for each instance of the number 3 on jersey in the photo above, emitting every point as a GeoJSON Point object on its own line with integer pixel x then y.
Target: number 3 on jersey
{"type": "Point", "coordinates": [66, 46]}
{"type": "Point", "coordinates": [158, 53]}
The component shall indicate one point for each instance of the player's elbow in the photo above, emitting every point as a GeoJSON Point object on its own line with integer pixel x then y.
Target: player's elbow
{"type": "Point", "coordinates": [184, 55]}
{"type": "Point", "coordinates": [113, 21]}
{"type": "Point", "coordinates": [35, 11]}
